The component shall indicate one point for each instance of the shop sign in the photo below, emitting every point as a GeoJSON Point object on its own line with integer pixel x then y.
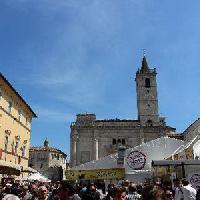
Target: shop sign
{"type": "Point", "coordinates": [105, 174]}
{"type": "Point", "coordinates": [136, 160]}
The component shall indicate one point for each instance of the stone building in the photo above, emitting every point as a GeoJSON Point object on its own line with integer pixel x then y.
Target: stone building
{"type": "Point", "coordinates": [91, 138]}
{"type": "Point", "coordinates": [15, 127]}
{"type": "Point", "coordinates": [192, 131]}
{"type": "Point", "coordinates": [49, 161]}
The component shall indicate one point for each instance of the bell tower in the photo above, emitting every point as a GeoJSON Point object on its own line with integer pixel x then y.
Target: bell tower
{"type": "Point", "coordinates": [147, 100]}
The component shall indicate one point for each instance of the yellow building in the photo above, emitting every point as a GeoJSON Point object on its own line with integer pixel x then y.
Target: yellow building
{"type": "Point", "coordinates": [15, 127]}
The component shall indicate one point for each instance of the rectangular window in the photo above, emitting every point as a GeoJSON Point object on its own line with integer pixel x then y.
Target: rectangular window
{"type": "Point", "coordinates": [26, 121]}
{"type": "Point", "coordinates": [6, 143]}
{"type": "Point", "coordinates": [19, 115]}
{"type": "Point", "coordinates": [123, 141]}
{"type": "Point", "coordinates": [9, 106]}
{"type": "Point", "coordinates": [114, 141]}
{"type": "Point", "coordinates": [16, 147]}
{"type": "Point", "coordinates": [23, 151]}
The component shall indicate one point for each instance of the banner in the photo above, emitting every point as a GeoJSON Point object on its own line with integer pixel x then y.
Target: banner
{"type": "Point", "coordinates": [113, 173]}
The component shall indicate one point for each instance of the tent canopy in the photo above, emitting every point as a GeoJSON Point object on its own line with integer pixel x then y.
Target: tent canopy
{"type": "Point", "coordinates": [37, 177]}
{"type": "Point", "coordinates": [157, 149]}
{"type": "Point", "coordinates": [28, 169]}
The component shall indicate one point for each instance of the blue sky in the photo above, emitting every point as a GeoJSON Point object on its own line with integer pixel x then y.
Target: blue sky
{"type": "Point", "coordinates": [72, 56]}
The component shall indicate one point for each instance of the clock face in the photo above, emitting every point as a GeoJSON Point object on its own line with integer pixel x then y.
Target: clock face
{"type": "Point", "coordinates": [136, 160]}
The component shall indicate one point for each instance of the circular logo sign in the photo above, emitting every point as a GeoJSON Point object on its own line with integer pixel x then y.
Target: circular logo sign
{"type": "Point", "coordinates": [195, 180]}
{"type": "Point", "coordinates": [136, 160]}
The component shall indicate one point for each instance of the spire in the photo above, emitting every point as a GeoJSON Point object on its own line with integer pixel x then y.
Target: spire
{"type": "Point", "coordinates": [46, 143]}
{"type": "Point", "coordinates": [145, 66]}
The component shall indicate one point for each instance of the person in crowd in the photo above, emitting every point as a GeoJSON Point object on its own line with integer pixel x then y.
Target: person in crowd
{"type": "Point", "coordinates": [132, 193]}
{"type": "Point", "coordinates": [8, 188]}
{"type": "Point", "coordinates": [15, 189]}
{"type": "Point", "coordinates": [1, 192]}
{"type": "Point", "coordinates": [64, 191]}
{"type": "Point", "coordinates": [43, 193]}
{"type": "Point", "coordinates": [26, 193]}
{"type": "Point", "coordinates": [83, 190]}
{"type": "Point", "coordinates": [139, 189]}
{"type": "Point", "coordinates": [125, 185]}
{"type": "Point", "coordinates": [54, 194]}
{"type": "Point", "coordinates": [189, 193]}
{"type": "Point", "coordinates": [11, 197]}
{"type": "Point", "coordinates": [91, 193]}
{"type": "Point", "coordinates": [159, 194]}
{"type": "Point", "coordinates": [110, 194]}
{"type": "Point", "coordinates": [119, 193]}
{"type": "Point", "coordinates": [169, 195]}
{"type": "Point", "coordinates": [35, 195]}
{"type": "Point", "coordinates": [178, 189]}
{"type": "Point", "coordinates": [198, 194]}
{"type": "Point", "coordinates": [147, 192]}
{"type": "Point", "coordinates": [75, 195]}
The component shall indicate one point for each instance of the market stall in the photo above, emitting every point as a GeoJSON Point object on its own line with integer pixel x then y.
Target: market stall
{"type": "Point", "coordinates": [9, 168]}
{"type": "Point", "coordinates": [183, 163]}
{"type": "Point", "coordinates": [37, 177]}
{"type": "Point", "coordinates": [137, 160]}
{"type": "Point", "coordinates": [28, 169]}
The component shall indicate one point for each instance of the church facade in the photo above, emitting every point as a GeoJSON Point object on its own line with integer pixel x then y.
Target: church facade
{"type": "Point", "coordinates": [91, 138]}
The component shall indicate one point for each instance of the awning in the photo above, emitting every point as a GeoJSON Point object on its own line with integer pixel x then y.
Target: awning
{"type": "Point", "coordinates": [174, 162]}
{"type": "Point", "coordinates": [9, 168]}
{"type": "Point", "coordinates": [28, 169]}
{"type": "Point", "coordinates": [37, 177]}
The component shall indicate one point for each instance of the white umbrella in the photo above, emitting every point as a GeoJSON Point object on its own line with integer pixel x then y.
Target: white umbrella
{"type": "Point", "coordinates": [38, 177]}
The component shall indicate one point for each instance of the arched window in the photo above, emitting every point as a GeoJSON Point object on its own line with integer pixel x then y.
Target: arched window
{"type": "Point", "coordinates": [150, 123]}
{"type": "Point", "coordinates": [147, 83]}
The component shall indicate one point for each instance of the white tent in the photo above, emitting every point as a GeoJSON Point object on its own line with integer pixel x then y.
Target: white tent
{"type": "Point", "coordinates": [140, 157]}
{"type": "Point", "coordinates": [157, 149]}
{"type": "Point", "coordinates": [137, 161]}
{"type": "Point", "coordinates": [37, 177]}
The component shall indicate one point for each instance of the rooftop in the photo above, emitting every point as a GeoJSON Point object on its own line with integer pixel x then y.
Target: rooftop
{"type": "Point", "coordinates": [46, 148]}
{"type": "Point", "coordinates": [18, 95]}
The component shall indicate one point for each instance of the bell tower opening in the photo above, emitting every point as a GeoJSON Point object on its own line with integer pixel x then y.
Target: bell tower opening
{"type": "Point", "coordinates": [147, 83]}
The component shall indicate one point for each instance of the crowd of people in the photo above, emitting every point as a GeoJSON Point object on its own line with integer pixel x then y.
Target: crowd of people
{"type": "Point", "coordinates": [178, 190]}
